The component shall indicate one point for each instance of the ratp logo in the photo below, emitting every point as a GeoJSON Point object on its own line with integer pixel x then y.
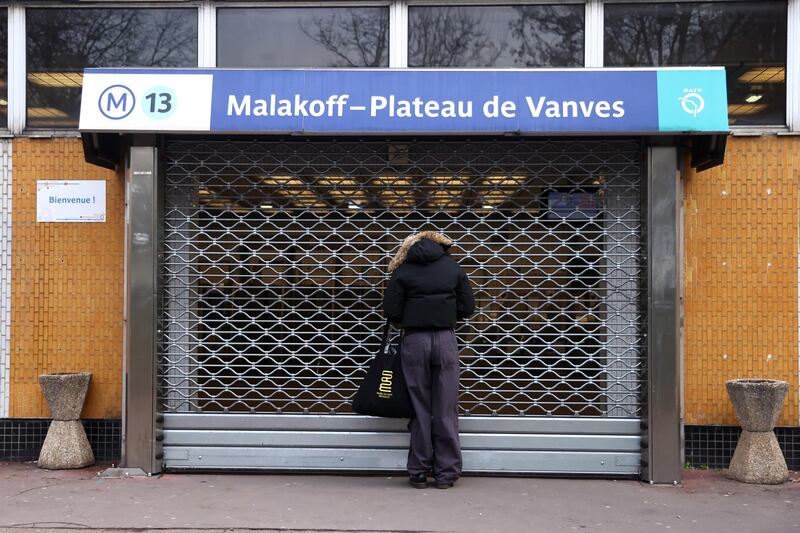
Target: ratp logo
{"type": "Point", "coordinates": [692, 101]}
{"type": "Point", "coordinates": [116, 102]}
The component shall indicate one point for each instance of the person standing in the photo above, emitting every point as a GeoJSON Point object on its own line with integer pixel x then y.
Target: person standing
{"type": "Point", "coordinates": [427, 294]}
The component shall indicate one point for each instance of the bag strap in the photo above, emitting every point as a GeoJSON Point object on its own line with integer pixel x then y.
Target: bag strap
{"type": "Point", "coordinates": [385, 337]}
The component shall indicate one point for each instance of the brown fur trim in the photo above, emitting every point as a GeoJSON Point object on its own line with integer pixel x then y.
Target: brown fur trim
{"type": "Point", "coordinates": [411, 240]}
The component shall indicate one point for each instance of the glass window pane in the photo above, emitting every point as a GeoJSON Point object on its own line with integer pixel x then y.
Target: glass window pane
{"type": "Point", "coordinates": [496, 36]}
{"type": "Point", "coordinates": [303, 37]}
{"type": "Point", "coordinates": [62, 42]}
{"type": "Point", "coordinates": [3, 67]}
{"type": "Point", "coordinates": [747, 38]}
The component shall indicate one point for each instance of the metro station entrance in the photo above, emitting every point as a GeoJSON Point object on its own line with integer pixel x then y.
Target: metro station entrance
{"type": "Point", "coordinates": [274, 257]}
{"type": "Point", "coordinates": [258, 241]}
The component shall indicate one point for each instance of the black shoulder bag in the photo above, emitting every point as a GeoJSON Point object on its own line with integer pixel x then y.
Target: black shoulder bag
{"type": "Point", "coordinates": [383, 391]}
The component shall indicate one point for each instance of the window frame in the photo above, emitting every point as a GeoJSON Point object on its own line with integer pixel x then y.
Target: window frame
{"type": "Point", "coordinates": [398, 44]}
{"type": "Point", "coordinates": [14, 61]}
{"type": "Point", "coordinates": [793, 66]}
{"type": "Point", "coordinates": [6, 128]}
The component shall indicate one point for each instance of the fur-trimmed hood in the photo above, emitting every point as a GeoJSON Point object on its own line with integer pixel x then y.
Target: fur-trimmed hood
{"type": "Point", "coordinates": [411, 240]}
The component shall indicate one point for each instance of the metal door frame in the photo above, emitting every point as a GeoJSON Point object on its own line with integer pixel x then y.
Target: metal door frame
{"type": "Point", "coordinates": [143, 436]}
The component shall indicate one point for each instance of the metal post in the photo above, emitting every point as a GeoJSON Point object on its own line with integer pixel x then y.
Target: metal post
{"type": "Point", "coordinates": [663, 434]}
{"type": "Point", "coordinates": [142, 448]}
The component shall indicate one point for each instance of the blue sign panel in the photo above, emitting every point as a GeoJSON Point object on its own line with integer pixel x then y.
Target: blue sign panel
{"type": "Point", "coordinates": [407, 101]}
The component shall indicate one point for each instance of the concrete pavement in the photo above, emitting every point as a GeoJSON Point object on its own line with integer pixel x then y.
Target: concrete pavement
{"type": "Point", "coordinates": [33, 499]}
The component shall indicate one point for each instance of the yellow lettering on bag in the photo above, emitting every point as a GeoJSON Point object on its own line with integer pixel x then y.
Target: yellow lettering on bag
{"type": "Point", "coordinates": [385, 386]}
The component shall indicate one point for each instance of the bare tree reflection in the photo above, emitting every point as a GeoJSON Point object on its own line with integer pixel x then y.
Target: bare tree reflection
{"type": "Point", "coordinates": [463, 36]}
{"type": "Point", "coordinates": [358, 37]}
{"type": "Point", "coordinates": [76, 38]}
{"type": "Point", "coordinates": [688, 34]}
{"type": "Point", "coordinates": [548, 36]}
{"type": "Point", "coordinates": [671, 36]}
{"type": "Point", "coordinates": [496, 36]}
{"type": "Point", "coordinates": [451, 37]}
{"type": "Point", "coordinates": [69, 40]}
{"type": "Point", "coordinates": [742, 36]}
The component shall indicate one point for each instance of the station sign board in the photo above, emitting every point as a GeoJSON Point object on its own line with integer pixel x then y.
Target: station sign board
{"type": "Point", "coordinates": [402, 101]}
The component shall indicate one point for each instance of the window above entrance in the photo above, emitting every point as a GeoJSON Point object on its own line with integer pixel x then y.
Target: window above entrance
{"type": "Point", "coordinates": [303, 37]}
{"type": "Point", "coordinates": [747, 38]}
{"type": "Point", "coordinates": [496, 36]}
{"type": "Point", "coordinates": [62, 42]}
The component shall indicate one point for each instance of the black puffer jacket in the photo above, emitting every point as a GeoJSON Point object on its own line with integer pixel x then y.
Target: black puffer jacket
{"type": "Point", "coordinates": [427, 289]}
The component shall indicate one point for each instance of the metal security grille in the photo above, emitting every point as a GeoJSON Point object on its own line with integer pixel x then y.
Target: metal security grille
{"type": "Point", "coordinates": [275, 256]}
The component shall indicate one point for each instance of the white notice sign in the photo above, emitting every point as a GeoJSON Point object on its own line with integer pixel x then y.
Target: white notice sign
{"type": "Point", "coordinates": [71, 201]}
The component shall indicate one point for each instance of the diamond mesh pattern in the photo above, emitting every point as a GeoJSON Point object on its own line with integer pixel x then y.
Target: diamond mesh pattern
{"type": "Point", "coordinates": [275, 256]}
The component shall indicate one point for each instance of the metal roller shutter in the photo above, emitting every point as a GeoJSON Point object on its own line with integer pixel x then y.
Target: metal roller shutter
{"type": "Point", "coordinates": [274, 258]}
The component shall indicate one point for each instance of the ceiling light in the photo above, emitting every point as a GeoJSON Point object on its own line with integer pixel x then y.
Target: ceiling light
{"type": "Point", "coordinates": [503, 180]}
{"type": "Point", "coordinates": [764, 75]}
{"type": "Point", "coordinates": [447, 181]}
{"type": "Point", "coordinates": [56, 79]}
{"type": "Point", "coordinates": [753, 98]}
{"type": "Point", "coordinates": [338, 181]}
{"type": "Point", "coordinates": [266, 206]}
{"type": "Point", "coordinates": [279, 180]}
{"type": "Point", "coordinates": [745, 109]}
{"type": "Point", "coordinates": [395, 181]}
{"type": "Point", "coordinates": [46, 112]}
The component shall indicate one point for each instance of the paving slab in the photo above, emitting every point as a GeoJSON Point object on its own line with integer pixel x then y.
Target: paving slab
{"type": "Point", "coordinates": [37, 500]}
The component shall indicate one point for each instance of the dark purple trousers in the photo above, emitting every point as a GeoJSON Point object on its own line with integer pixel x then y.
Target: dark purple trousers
{"type": "Point", "coordinates": [430, 365]}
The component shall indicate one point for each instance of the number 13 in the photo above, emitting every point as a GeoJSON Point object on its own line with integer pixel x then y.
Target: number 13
{"type": "Point", "coordinates": [164, 102]}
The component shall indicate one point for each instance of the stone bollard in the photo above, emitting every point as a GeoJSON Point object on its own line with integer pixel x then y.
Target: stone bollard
{"type": "Point", "coordinates": [65, 445]}
{"type": "Point", "coordinates": [758, 458]}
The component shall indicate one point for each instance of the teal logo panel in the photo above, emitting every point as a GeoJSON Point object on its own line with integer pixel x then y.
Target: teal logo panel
{"type": "Point", "coordinates": [692, 100]}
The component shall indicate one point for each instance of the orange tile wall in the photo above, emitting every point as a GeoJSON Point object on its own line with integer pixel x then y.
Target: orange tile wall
{"type": "Point", "coordinates": [66, 284]}
{"type": "Point", "coordinates": [740, 249]}
{"type": "Point", "coordinates": [740, 276]}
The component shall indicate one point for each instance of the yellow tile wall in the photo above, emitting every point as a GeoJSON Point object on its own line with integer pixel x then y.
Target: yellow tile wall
{"type": "Point", "coordinates": [740, 276]}
{"type": "Point", "coordinates": [66, 284]}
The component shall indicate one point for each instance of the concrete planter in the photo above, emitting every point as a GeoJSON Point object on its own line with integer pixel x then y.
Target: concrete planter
{"type": "Point", "coordinates": [65, 445]}
{"type": "Point", "coordinates": [758, 458]}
